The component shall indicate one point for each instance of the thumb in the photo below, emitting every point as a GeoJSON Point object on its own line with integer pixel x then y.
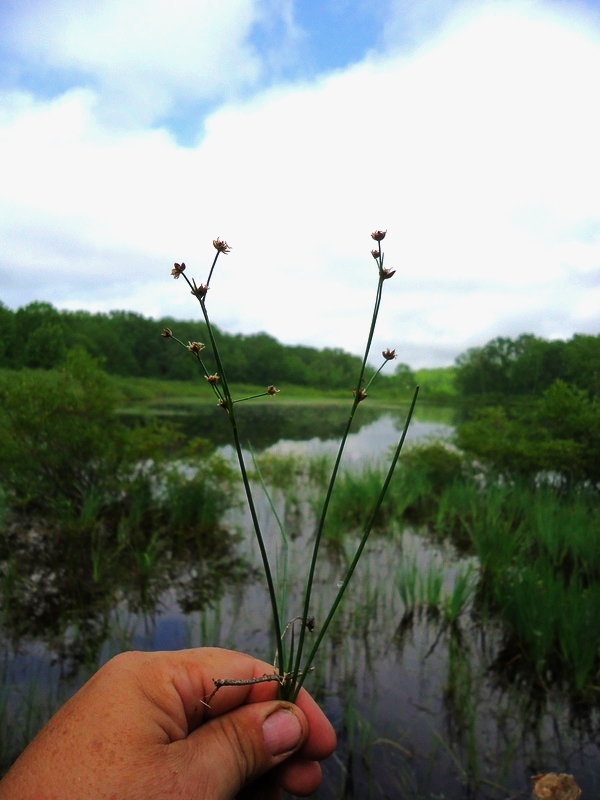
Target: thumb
{"type": "Point", "coordinates": [232, 750]}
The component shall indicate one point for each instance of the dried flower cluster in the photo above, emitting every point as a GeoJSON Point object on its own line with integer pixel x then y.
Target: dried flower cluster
{"type": "Point", "coordinates": [199, 291]}
{"type": "Point", "coordinates": [221, 246]}
{"type": "Point", "coordinates": [195, 347]}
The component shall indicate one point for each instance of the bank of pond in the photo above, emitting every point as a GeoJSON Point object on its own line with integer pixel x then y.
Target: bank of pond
{"type": "Point", "coordinates": [464, 659]}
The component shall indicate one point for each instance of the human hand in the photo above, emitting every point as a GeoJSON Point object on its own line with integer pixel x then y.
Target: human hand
{"type": "Point", "coordinates": [138, 730]}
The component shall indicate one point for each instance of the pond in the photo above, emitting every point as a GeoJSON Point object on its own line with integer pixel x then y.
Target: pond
{"type": "Point", "coordinates": [421, 699]}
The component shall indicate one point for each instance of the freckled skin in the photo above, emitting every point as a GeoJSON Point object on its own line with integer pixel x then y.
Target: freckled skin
{"type": "Point", "coordinates": [138, 730]}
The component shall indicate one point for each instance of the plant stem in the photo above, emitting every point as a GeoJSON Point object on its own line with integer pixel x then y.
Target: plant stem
{"type": "Point", "coordinates": [300, 677]}
{"type": "Point", "coordinates": [338, 459]}
{"type": "Point", "coordinates": [246, 481]}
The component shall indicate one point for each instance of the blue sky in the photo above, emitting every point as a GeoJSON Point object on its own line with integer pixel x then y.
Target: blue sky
{"type": "Point", "coordinates": [133, 132]}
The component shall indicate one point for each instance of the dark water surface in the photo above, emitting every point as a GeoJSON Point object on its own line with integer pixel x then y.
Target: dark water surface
{"type": "Point", "coordinates": [423, 708]}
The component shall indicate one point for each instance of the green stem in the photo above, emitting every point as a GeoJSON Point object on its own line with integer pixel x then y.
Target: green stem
{"type": "Point", "coordinates": [247, 488]}
{"type": "Point", "coordinates": [300, 678]}
{"type": "Point", "coordinates": [251, 397]}
{"type": "Point", "coordinates": [338, 459]}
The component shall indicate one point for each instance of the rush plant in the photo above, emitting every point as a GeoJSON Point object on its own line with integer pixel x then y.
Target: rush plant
{"type": "Point", "coordinates": [294, 656]}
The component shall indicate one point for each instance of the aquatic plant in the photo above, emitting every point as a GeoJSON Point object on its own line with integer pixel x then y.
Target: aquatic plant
{"type": "Point", "coordinates": [356, 490]}
{"type": "Point", "coordinates": [292, 662]}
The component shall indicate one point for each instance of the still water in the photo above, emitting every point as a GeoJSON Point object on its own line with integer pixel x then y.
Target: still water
{"type": "Point", "coordinates": [424, 708]}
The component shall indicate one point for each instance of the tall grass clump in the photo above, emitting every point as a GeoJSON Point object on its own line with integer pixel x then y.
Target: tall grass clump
{"type": "Point", "coordinates": [538, 551]}
{"type": "Point", "coordinates": [294, 657]}
{"type": "Point", "coordinates": [356, 491]}
{"type": "Point", "coordinates": [434, 588]}
{"type": "Point", "coordinates": [426, 472]}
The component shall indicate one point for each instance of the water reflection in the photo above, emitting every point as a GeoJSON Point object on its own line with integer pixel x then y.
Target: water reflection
{"type": "Point", "coordinates": [372, 442]}
{"type": "Point", "coordinates": [59, 590]}
{"type": "Point", "coordinates": [267, 424]}
{"type": "Point", "coordinates": [424, 707]}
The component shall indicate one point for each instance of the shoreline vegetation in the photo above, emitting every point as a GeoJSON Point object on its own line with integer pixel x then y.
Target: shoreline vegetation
{"type": "Point", "coordinates": [105, 503]}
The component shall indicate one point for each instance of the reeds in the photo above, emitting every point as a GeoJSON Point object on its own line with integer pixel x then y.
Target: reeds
{"type": "Point", "coordinates": [292, 662]}
{"type": "Point", "coordinates": [539, 554]}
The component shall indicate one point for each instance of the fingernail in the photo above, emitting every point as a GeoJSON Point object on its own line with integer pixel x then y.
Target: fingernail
{"type": "Point", "coordinates": [282, 732]}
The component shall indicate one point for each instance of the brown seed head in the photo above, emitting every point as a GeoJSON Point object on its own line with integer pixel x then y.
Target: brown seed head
{"type": "Point", "coordinates": [378, 235]}
{"type": "Point", "coordinates": [195, 347]}
{"type": "Point", "coordinates": [167, 333]}
{"type": "Point", "coordinates": [389, 355]}
{"type": "Point", "coordinates": [199, 291]}
{"type": "Point", "coordinates": [361, 395]}
{"type": "Point", "coordinates": [272, 390]}
{"type": "Point", "coordinates": [212, 379]}
{"type": "Point", "coordinates": [375, 253]}
{"type": "Point", "coordinates": [221, 246]}
{"type": "Point", "coordinates": [387, 273]}
{"type": "Point", "coordinates": [177, 270]}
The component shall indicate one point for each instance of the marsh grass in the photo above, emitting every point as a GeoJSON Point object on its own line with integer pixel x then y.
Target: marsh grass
{"type": "Point", "coordinates": [461, 595]}
{"type": "Point", "coordinates": [441, 589]}
{"type": "Point", "coordinates": [352, 501]}
{"type": "Point", "coordinates": [461, 703]}
{"type": "Point", "coordinates": [283, 472]}
{"type": "Point", "coordinates": [427, 471]}
{"type": "Point", "coordinates": [537, 552]}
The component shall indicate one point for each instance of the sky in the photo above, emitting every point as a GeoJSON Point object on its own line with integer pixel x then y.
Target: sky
{"type": "Point", "coordinates": [134, 132]}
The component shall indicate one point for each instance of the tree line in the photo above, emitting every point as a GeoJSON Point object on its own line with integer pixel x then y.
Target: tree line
{"type": "Point", "coordinates": [533, 408]}
{"type": "Point", "coordinates": [38, 336]}
{"type": "Point", "coordinates": [528, 366]}
{"type": "Point", "coordinates": [126, 343]}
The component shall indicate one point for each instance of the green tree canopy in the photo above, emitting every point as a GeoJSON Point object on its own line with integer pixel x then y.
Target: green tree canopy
{"type": "Point", "coordinates": [528, 365]}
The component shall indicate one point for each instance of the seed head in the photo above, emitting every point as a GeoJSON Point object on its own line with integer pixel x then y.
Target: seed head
{"type": "Point", "coordinates": [212, 379]}
{"type": "Point", "coordinates": [195, 347]}
{"type": "Point", "coordinates": [167, 333]}
{"type": "Point", "coordinates": [199, 291]}
{"type": "Point", "coordinates": [361, 395]}
{"type": "Point", "coordinates": [221, 246]}
{"type": "Point", "coordinates": [177, 270]}
{"type": "Point", "coordinates": [378, 235]}
{"type": "Point", "coordinates": [387, 273]}
{"type": "Point", "coordinates": [272, 390]}
{"type": "Point", "coordinates": [375, 253]}
{"type": "Point", "coordinates": [389, 355]}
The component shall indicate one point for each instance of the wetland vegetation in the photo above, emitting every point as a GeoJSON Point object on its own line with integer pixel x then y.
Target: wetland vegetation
{"type": "Point", "coordinates": [465, 657]}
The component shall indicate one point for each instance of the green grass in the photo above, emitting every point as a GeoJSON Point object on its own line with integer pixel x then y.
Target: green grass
{"type": "Point", "coordinates": [437, 384]}
{"type": "Point", "coordinates": [138, 395]}
{"type": "Point", "coordinates": [537, 550]}
{"type": "Point", "coordinates": [353, 499]}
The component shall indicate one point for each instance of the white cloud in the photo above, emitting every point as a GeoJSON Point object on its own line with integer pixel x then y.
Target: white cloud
{"type": "Point", "coordinates": [479, 154]}
{"type": "Point", "coordinates": [146, 57]}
